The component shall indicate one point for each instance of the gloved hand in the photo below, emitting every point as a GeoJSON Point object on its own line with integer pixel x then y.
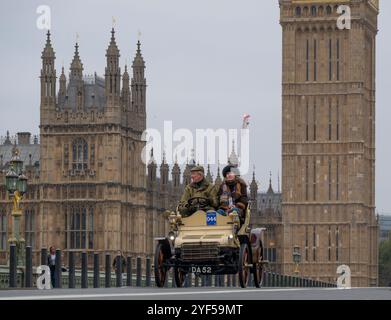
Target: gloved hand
{"type": "Point", "coordinates": [221, 212]}
{"type": "Point", "coordinates": [234, 209]}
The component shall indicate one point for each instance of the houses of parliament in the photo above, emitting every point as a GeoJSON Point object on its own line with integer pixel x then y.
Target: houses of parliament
{"type": "Point", "coordinates": [90, 191]}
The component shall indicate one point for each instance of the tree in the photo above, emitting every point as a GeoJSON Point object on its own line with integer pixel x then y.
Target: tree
{"type": "Point", "coordinates": [385, 263]}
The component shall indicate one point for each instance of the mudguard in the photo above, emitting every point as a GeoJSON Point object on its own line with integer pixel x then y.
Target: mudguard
{"type": "Point", "coordinates": [166, 245]}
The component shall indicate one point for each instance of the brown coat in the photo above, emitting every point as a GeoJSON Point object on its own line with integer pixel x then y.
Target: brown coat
{"type": "Point", "coordinates": [238, 192]}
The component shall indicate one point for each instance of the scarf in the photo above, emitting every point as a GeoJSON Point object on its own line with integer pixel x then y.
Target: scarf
{"type": "Point", "coordinates": [227, 196]}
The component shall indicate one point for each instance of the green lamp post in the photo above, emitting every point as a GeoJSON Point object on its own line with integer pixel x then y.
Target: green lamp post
{"type": "Point", "coordinates": [16, 184]}
{"type": "Point", "coordinates": [296, 258]}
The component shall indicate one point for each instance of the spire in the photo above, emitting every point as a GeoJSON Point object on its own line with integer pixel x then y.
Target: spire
{"type": "Point", "coordinates": [138, 59]}
{"type": "Point", "coordinates": [7, 139]}
{"type": "Point", "coordinates": [151, 169]}
{"type": "Point", "coordinates": [253, 181]}
{"type": "Point", "coordinates": [152, 159]}
{"type": "Point", "coordinates": [112, 50]}
{"type": "Point", "coordinates": [125, 80]}
{"type": "Point", "coordinates": [126, 73]}
{"type": "Point", "coordinates": [126, 89]}
{"type": "Point", "coordinates": [63, 83]}
{"type": "Point", "coordinates": [112, 71]}
{"type": "Point", "coordinates": [209, 177]}
{"type": "Point", "coordinates": [62, 76]}
{"type": "Point", "coordinates": [189, 165]}
{"type": "Point", "coordinates": [139, 88]}
{"type": "Point", "coordinates": [48, 51]}
{"type": "Point", "coordinates": [164, 170]}
{"type": "Point", "coordinates": [254, 193]}
{"type": "Point", "coordinates": [176, 173]}
{"type": "Point", "coordinates": [164, 158]}
{"type": "Point", "coordinates": [270, 190]}
{"type": "Point", "coordinates": [63, 88]}
{"type": "Point", "coordinates": [48, 78]}
{"type": "Point", "coordinates": [192, 162]}
{"type": "Point", "coordinates": [218, 180]}
{"type": "Point", "coordinates": [76, 65]}
{"type": "Point", "coordinates": [233, 158]}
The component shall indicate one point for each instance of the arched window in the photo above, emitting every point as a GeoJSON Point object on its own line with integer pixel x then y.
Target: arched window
{"type": "Point", "coordinates": [3, 230]}
{"type": "Point", "coordinates": [79, 224]}
{"type": "Point", "coordinates": [298, 11]}
{"type": "Point", "coordinates": [313, 11]}
{"type": "Point", "coordinates": [29, 227]}
{"type": "Point", "coordinates": [80, 155]}
{"type": "Point", "coordinates": [329, 10]}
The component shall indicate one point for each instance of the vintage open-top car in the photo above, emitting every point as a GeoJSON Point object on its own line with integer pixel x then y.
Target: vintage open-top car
{"type": "Point", "coordinates": [209, 243]}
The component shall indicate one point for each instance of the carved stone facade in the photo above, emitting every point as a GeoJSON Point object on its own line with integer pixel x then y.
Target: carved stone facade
{"type": "Point", "coordinates": [328, 139]}
{"type": "Point", "coordinates": [87, 182]}
{"type": "Point", "coordinates": [266, 213]}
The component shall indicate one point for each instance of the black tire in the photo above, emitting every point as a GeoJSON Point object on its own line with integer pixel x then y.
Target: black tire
{"type": "Point", "coordinates": [244, 271]}
{"type": "Point", "coordinates": [258, 270]}
{"type": "Point", "coordinates": [159, 269]}
{"type": "Point", "coordinates": [179, 276]}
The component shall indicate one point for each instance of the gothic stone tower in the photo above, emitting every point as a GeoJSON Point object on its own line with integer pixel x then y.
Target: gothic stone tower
{"type": "Point", "coordinates": [92, 176]}
{"type": "Point", "coordinates": [328, 139]}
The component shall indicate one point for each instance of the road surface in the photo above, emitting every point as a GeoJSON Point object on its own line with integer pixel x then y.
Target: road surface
{"type": "Point", "coordinates": [226, 294]}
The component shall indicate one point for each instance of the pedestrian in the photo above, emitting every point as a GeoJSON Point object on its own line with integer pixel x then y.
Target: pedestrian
{"type": "Point", "coordinates": [51, 262]}
{"type": "Point", "coordinates": [123, 261]}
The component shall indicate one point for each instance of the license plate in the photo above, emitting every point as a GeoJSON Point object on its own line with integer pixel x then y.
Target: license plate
{"type": "Point", "coordinates": [201, 270]}
{"type": "Point", "coordinates": [211, 219]}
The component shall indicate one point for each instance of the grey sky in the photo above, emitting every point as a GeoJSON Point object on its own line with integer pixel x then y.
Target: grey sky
{"type": "Point", "coordinates": [215, 60]}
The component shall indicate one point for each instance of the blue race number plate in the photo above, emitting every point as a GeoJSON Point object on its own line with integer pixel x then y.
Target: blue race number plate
{"type": "Point", "coordinates": [211, 218]}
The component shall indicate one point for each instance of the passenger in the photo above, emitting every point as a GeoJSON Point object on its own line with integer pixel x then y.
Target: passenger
{"type": "Point", "coordinates": [198, 188]}
{"type": "Point", "coordinates": [232, 193]}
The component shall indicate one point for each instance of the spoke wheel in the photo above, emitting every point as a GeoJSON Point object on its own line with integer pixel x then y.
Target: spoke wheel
{"type": "Point", "coordinates": [258, 270]}
{"type": "Point", "coordinates": [244, 269]}
{"type": "Point", "coordinates": [159, 269]}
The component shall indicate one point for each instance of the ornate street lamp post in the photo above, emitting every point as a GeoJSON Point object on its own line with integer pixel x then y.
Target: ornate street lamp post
{"type": "Point", "coordinates": [271, 246]}
{"type": "Point", "coordinates": [296, 258]}
{"type": "Point", "coordinates": [16, 184]}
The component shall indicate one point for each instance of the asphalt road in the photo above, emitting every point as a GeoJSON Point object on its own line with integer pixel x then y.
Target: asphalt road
{"type": "Point", "coordinates": [199, 294]}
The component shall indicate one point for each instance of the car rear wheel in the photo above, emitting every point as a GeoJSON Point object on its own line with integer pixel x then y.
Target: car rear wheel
{"type": "Point", "coordinates": [179, 276]}
{"type": "Point", "coordinates": [244, 261]}
{"type": "Point", "coordinates": [159, 268]}
{"type": "Point", "coordinates": [258, 270]}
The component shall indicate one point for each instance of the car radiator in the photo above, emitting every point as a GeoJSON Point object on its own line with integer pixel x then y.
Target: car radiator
{"type": "Point", "coordinates": [200, 251]}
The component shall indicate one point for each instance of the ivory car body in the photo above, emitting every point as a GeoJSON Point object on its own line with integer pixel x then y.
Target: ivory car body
{"type": "Point", "coordinates": [209, 243]}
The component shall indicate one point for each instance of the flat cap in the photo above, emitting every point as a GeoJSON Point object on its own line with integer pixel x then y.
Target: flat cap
{"type": "Point", "coordinates": [198, 168]}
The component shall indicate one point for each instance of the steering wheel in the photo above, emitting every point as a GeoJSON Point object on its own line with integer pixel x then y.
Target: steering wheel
{"type": "Point", "coordinates": [198, 203]}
